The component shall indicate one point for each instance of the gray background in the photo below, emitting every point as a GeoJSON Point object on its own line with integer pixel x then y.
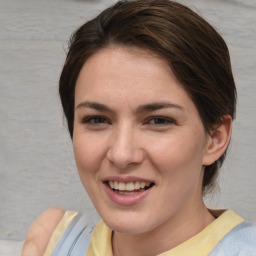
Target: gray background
{"type": "Point", "coordinates": [37, 169]}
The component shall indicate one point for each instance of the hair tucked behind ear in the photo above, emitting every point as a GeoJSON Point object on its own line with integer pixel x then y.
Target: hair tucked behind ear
{"type": "Point", "coordinates": [194, 50]}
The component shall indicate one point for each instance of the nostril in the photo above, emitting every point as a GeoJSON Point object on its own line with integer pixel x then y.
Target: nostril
{"type": "Point", "coordinates": [124, 157]}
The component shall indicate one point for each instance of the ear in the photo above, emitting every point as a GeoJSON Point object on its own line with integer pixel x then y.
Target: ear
{"type": "Point", "coordinates": [218, 141]}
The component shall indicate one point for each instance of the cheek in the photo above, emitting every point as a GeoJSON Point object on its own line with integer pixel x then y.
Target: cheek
{"type": "Point", "coordinates": [88, 153]}
{"type": "Point", "coordinates": [179, 163]}
{"type": "Point", "coordinates": [178, 152]}
{"type": "Point", "coordinates": [88, 161]}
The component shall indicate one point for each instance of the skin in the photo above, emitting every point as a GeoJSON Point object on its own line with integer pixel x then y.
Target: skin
{"type": "Point", "coordinates": [40, 232]}
{"type": "Point", "coordinates": [148, 128]}
{"type": "Point", "coordinates": [118, 136]}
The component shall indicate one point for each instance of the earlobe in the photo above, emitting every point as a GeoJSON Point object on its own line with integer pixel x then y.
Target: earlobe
{"type": "Point", "coordinates": [218, 141]}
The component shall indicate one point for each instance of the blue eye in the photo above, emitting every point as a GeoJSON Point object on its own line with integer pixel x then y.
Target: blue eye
{"type": "Point", "coordinates": [94, 120]}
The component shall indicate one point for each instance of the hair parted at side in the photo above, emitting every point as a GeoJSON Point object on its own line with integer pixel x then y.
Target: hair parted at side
{"type": "Point", "coordinates": [194, 50]}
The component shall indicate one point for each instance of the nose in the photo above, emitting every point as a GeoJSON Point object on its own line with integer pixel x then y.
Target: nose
{"type": "Point", "coordinates": [125, 149]}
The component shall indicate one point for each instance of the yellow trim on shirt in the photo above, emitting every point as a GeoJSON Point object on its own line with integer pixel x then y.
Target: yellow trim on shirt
{"type": "Point", "coordinates": [100, 243]}
{"type": "Point", "coordinates": [58, 232]}
{"type": "Point", "coordinates": [205, 241]}
{"type": "Point", "coordinates": [199, 245]}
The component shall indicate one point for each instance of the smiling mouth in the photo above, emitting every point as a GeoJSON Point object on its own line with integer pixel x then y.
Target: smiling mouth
{"type": "Point", "coordinates": [129, 188]}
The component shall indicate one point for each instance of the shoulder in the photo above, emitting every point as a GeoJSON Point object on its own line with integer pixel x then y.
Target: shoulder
{"type": "Point", "coordinates": [40, 232]}
{"type": "Point", "coordinates": [245, 233]}
{"type": "Point", "coordinates": [240, 240]}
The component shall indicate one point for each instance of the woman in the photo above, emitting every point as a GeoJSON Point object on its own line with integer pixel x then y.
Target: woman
{"type": "Point", "coordinates": [149, 97]}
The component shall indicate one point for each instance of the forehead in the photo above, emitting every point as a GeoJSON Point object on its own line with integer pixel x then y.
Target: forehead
{"type": "Point", "coordinates": [131, 75]}
{"type": "Point", "coordinates": [120, 62]}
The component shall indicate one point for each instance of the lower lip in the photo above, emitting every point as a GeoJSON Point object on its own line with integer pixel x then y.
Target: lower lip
{"type": "Point", "coordinates": [126, 200]}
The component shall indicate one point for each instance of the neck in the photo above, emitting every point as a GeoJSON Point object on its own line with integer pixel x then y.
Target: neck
{"type": "Point", "coordinates": [178, 229]}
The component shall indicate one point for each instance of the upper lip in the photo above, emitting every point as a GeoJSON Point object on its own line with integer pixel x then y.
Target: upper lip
{"type": "Point", "coordinates": [126, 179]}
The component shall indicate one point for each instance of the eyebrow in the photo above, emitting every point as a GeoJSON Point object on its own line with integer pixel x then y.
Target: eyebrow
{"type": "Point", "coordinates": [94, 105]}
{"type": "Point", "coordinates": [140, 109]}
{"type": "Point", "coordinates": [156, 106]}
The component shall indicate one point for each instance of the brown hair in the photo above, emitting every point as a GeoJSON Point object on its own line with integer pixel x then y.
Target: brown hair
{"type": "Point", "coordinates": [194, 50]}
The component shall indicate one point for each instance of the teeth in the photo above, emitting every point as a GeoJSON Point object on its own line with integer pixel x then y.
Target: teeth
{"type": "Point", "coordinates": [116, 186]}
{"type": "Point", "coordinates": [111, 184]}
{"type": "Point", "coordinates": [137, 185]}
{"type": "Point", "coordinates": [122, 186]}
{"type": "Point", "coordinates": [130, 186]}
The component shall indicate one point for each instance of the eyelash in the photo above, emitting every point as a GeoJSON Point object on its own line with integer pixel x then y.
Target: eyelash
{"type": "Point", "coordinates": [93, 120]}
{"type": "Point", "coordinates": [157, 120]}
{"type": "Point", "coordinates": [163, 121]}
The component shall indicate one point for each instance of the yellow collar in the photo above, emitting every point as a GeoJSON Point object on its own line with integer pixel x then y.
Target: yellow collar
{"type": "Point", "coordinates": [199, 245]}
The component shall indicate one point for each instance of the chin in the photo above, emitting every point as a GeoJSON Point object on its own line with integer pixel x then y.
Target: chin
{"type": "Point", "coordinates": [128, 224]}
{"type": "Point", "coordinates": [127, 228]}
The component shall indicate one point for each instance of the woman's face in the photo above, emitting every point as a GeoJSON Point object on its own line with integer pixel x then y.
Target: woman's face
{"type": "Point", "coordinates": [138, 140]}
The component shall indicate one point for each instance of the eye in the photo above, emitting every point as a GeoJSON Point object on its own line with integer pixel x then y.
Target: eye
{"type": "Point", "coordinates": [160, 121]}
{"type": "Point", "coordinates": [94, 120]}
